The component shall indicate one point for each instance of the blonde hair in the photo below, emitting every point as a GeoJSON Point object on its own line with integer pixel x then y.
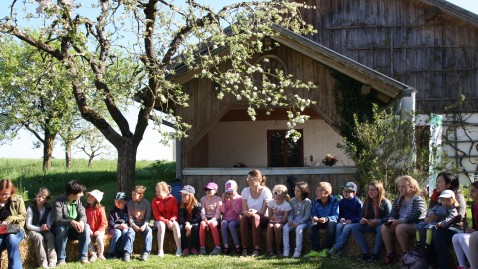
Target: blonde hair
{"type": "Point", "coordinates": [326, 186]}
{"type": "Point", "coordinates": [411, 182]}
{"type": "Point", "coordinates": [139, 188]}
{"type": "Point", "coordinates": [164, 186]}
{"type": "Point", "coordinates": [257, 174]}
{"type": "Point", "coordinates": [283, 190]}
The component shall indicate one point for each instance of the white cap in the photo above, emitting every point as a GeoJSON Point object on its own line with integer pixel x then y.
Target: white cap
{"type": "Point", "coordinates": [97, 194]}
{"type": "Point", "coordinates": [230, 185]}
{"type": "Point", "coordinates": [447, 194]}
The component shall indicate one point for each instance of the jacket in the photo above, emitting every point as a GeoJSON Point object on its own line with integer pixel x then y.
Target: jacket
{"type": "Point", "coordinates": [419, 210]}
{"type": "Point", "coordinates": [195, 218]}
{"type": "Point", "coordinates": [33, 219]}
{"type": "Point", "coordinates": [305, 212]}
{"type": "Point", "coordinates": [117, 217]}
{"type": "Point", "coordinates": [350, 209]}
{"type": "Point", "coordinates": [165, 209]}
{"type": "Point", "coordinates": [18, 210]}
{"type": "Point", "coordinates": [96, 218]}
{"type": "Point", "coordinates": [383, 211]}
{"type": "Point", "coordinates": [330, 210]}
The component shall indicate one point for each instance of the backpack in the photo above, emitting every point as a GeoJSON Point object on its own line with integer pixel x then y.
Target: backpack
{"type": "Point", "coordinates": [414, 259]}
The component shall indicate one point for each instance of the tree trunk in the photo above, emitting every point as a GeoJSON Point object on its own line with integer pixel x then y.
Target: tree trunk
{"type": "Point", "coordinates": [126, 167]}
{"type": "Point", "coordinates": [48, 144]}
{"type": "Point", "coordinates": [90, 160]}
{"type": "Point", "coordinates": [68, 155]}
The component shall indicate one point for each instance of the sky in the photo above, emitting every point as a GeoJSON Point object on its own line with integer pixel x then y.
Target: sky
{"type": "Point", "coordinates": [150, 148]}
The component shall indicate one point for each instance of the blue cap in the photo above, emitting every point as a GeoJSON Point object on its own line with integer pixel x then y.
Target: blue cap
{"type": "Point", "coordinates": [121, 196]}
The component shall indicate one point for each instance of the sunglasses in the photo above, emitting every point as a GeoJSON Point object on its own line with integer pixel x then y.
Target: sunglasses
{"type": "Point", "coordinates": [277, 192]}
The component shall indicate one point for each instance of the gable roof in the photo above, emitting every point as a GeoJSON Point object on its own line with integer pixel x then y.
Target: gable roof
{"type": "Point", "coordinates": [454, 11]}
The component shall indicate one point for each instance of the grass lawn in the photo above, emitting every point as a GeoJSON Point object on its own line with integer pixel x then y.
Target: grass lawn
{"type": "Point", "coordinates": [225, 262]}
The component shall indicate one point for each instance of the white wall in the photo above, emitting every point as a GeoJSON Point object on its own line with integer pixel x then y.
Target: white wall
{"type": "Point", "coordinates": [245, 141]}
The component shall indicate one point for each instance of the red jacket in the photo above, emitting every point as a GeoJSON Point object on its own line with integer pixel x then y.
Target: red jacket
{"type": "Point", "coordinates": [96, 218]}
{"type": "Point", "coordinates": [165, 209]}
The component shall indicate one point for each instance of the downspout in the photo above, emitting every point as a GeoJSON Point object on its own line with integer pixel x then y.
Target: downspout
{"type": "Point", "coordinates": [407, 108]}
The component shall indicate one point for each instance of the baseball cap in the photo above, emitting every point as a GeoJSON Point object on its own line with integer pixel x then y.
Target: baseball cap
{"type": "Point", "coordinates": [121, 196]}
{"type": "Point", "coordinates": [351, 186]}
{"type": "Point", "coordinates": [188, 189]}
{"type": "Point", "coordinates": [447, 194]}
{"type": "Point", "coordinates": [211, 186]}
{"type": "Point", "coordinates": [97, 194]}
{"type": "Point", "coordinates": [230, 185]}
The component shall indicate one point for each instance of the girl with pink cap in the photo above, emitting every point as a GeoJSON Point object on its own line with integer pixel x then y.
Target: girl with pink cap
{"type": "Point", "coordinates": [231, 216]}
{"type": "Point", "coordinates": [210, 215]}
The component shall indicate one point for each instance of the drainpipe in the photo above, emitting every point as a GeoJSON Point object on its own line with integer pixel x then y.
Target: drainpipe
{"type": "Point", "coordinates": [178, 152]}
{"type": "Point", "coordinates": [407, 111]}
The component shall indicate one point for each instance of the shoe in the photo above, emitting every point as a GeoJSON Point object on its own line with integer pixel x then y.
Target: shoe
{"type": "Point", "coordinates": [279, 255]}
{"type": "Point", "coordinates": [238, 251]}
{"type": "Point", "coordinates": [178, 252]}
{"type": "Point", "coordinates": [285, 253]}
{"type": "Point", "coordinates": [216, 251]}
{"type": "Point", "coordinates": [244, 252]}
{"type": "Point", "coordinates": [461, 267]}
{"type": "Point", "coordinates": [61, 263]}
{"type": "Point", "coordinates": [226, 251]}
{"type": "Point", "coordinates": [186, 251]}
{"type": "Point", "coordinates": [85, 261]}
{"type": "Point", "coordinates": [93, 257]}
{"type": "Point", "coordinates": [373, 258]}
{"type": "Point", "coordinates": [52, 265]}
{"type": "Point", "coordinates": [202, 251]}
{"type": "Point", "coordinates": [271, 253]}
{"type": "Point", "coordinates": [363, 257]}
{"type": "Point", "coordinates": [102, 257]}
{"type": "Point", "coordinates": [296, 254]}
{"type": "Point", "coordinates": [333, 252]}
{"type": "Point", "coordinates": [256, 252]}
{"type": "Point", "coordinates": [45, 266]}
{"type": "Point", "coordinates": [144, 256]}
{"type": "Point", "coordinates": [194, 251]}
{"type": "Point", "coordinates": [312, 254]}
{"type": "Point", "coordinates": [127, 257]}
{"type": "Point", "coordinates": [161, 253]}
{"type": "Point", "coordinates": [390, 258]}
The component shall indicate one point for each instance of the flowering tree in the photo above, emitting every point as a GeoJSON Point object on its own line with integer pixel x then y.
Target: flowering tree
{"type": "Point", "coordinates": [154, 36]}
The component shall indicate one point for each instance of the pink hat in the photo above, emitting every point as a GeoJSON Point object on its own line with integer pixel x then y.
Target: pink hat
{"type": "Point", "coordinates": [230, 185]}
{"type": "Point", "coordinates": [211, 186]}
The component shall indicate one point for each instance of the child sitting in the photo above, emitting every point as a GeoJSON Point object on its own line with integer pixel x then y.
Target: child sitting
{"type": "Point", "coordinates": [279, 209]}
{"type": "Point", "coordinates": [96, 219]}
{"type": "Point", "coordinates": [139, 215]}
{"type": "Point", "coordinates": [189, 217]}
{"type": "Point", "coordinates": [210, 214]}
{"type": "Point", "coordinates": [442, 216]}
{"type": "Point", "coordinates": [165, 211]}
{"type": "Point", "coordinates": [38, 225]}
{"type": "Point", "coordinates": [350, 208]}
{"type": "Point", "coordinates": [118, 228]}
{"type": "Point", "coordinates": [299, 218]}
{"type": "Point", "coordinates": [231, 213]}
{"type": "Point", "coordinates": [325, 212]}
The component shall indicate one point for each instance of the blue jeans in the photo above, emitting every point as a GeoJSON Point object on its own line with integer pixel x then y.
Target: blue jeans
{"type": "Point", "coordinates": [193, 239]}
{"type": "Point", "coordinates": [12, 242]}
{"type": "Point", "coordinates": [359, 229]}
{"type": "Point", "coordinates": [63, 233]}
{"type": "Point", "coordinates": [329, 238]}
{"type": "Point", "coordinates": [441, 238]}
{"type": "Point", "coordinates": [118, 242]}
{"type": "Point", "coordinates": [148, 240]}
{"type": "Point", "coordinates": [342, 234]}
{"type": "Point", "coordinates": [233, 226]}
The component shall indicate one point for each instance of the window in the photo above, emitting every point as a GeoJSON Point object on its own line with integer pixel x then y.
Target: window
{"type": "Point", "coordinates": [282, 151]}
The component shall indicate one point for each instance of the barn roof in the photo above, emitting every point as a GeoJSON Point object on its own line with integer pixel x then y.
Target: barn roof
{"type": "Point", "coordinates": [452, 10]}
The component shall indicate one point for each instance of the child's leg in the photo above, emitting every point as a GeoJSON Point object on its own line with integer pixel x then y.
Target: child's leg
{"type": "Point", "coordinates": [161, 226]}
{"type": "Point", "coordinates": [225, 236]}
{"type": "Point", "coordinates": [285, 238]}
{"type": "Point", "coordinates": [270, 236]}
{"type": "Point", "coordinates": [299, 235]}
{"type": "Point", "coordinates": [100, 244]}
{"type": "Point", "coordinates": [202, 234]}
{"type": "Point", "coordinates": [233, 225]}
{"type": "Point", "coordinates": [329, 238]}
{"type": "Point", "coordinates": [428, 239]}
{"type": "Point", "coordinates": [177, 235]}
{"type": "Point", "coordinates": [215, 233]}
{"type": "Point", "coordinates": [278, 236]}
{"type": "Point", "coordinates": [457, 240]}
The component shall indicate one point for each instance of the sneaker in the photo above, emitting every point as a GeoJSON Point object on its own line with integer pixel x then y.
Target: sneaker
{"type": "Point", "coordinates": [333, 252]}
{"type": "Point", "coordinates": [239, 251]}
{"type": "Point", "coordinates": [216, 251]}
{"type": "Point", "coordinates": [244, 252]}
{"type": "Point", "coordinates": [61, 263]}
{"type": "Point", "coordinates": [256, 252]}
{"type": "Point", "coordinates": [312, 254]}
{"type": "Point", "coordinates": [296, 254]}
{"type": "Point", "coordinates": [271, 253]}
{"type": "Point", "coordinates": [93, 257]}
{"type": "Point", "coordinates": [363, 257]}
{"type": "Point", "coordinates": [144, 256]}
{"type": "Point", "coordinates": [127, 257]}
{"type": "Point", "coordinates": [390, 258]}
{"type": "Point", "coordinates": [85, 261]}
{"type": "Point", "coordinates": [194, 251]}
{"type": "Point", "coordinates": [161, 253]}
{"type": "Point", "coordinates": [226, 251]}
{"type": "Point", "coordinates": [178, 252]}
{"type": "Point", "coordinates": [52, 265]}
{"type": "Point", "coordinates": [285, 253]}
{"type": "Point", "coordinates": [202, 251]}
{"type": "Point", "coordinates": [45, 266]}
{"type": "Point", "coordinates": [102, 257]}
{"type": "Point", "coordinates": [373, 258]}
{"type": "Point", "coordinates": [186, 251]}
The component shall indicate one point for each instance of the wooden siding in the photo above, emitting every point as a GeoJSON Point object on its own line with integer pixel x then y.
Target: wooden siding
{"type": "Point", "coordinates": [337, 176]}
{"type": "Point", "coordinates": [409, 40]}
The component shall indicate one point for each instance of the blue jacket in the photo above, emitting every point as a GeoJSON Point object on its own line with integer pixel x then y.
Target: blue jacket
{"type": "Point", "coordinates": [330, 210]}
{"type": "Point", "coordinates": [350, 209]}
{"type": "Point", "coordinates": [383, 211]}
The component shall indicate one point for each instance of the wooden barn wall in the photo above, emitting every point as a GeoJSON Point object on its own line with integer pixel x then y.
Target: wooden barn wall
{"type": "Point", "coordinates": [205, 109]}
{"type": "Point", "coordinates": [433, 52]}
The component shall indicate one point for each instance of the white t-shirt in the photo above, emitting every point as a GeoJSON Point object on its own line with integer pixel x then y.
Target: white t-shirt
{"type": "Point", "coordinates": [266, 195]}
{"type": "Point", "coordinates": [279, 210]}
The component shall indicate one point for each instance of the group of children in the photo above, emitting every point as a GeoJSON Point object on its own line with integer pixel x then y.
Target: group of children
{"type": "Point", "coordinates": [190, 220]}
